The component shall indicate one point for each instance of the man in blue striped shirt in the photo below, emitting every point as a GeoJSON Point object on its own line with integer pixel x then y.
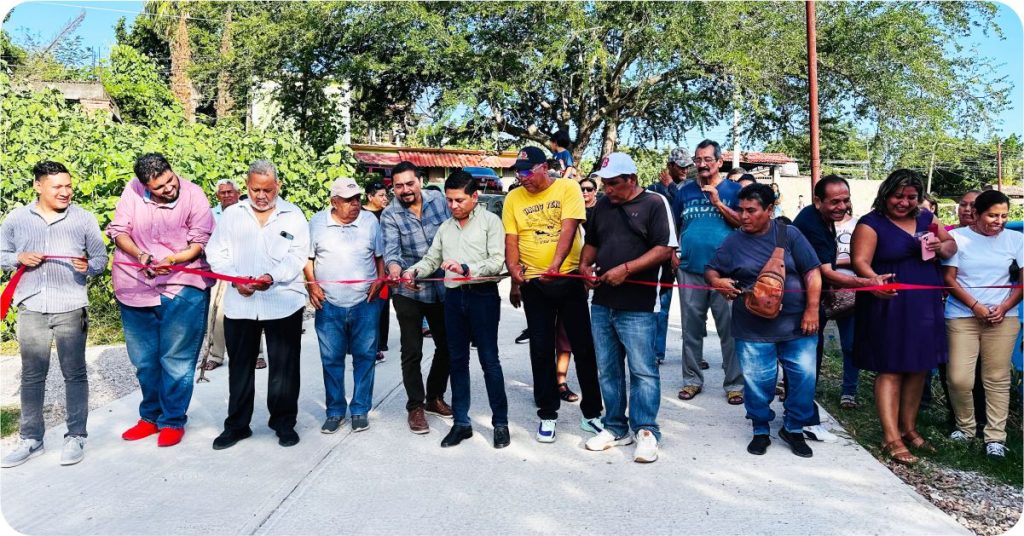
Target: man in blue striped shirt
{"type": "Point", "coordinates": [409, 224]}
{"type": "Point", "coordinates": [51, 300]}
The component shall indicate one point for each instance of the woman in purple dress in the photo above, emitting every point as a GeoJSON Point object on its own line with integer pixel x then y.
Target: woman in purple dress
{"type": "Point", "coordinates": [900, 335]}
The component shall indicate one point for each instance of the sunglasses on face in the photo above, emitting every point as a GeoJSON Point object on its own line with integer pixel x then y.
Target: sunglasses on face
{"type": "Point", "coordinates": [589, 189]}
{"type": "Point", "coordinates": [526, 172]}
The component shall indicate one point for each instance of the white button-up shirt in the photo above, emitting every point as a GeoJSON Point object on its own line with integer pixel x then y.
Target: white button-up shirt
{"type": "Point", "coordinates": [241, 247]}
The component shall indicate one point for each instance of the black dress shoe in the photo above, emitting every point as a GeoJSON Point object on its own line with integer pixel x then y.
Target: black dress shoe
{"type": "Point", "coordinates": [759, 445]}
{"type": "Point", "coordinates": [502, 438]}
{"type": "Point", "coordinates": [228, 438]}
{"type": "Point", "coordinates": [797, 443]}
{"type": "Point", "coordinates": [288, 438]}
{"type": "Point", "coordinates": [456, 435]}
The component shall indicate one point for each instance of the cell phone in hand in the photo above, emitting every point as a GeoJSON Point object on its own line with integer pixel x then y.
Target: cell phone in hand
{"type": "Point", "coordinates": [926, 254]}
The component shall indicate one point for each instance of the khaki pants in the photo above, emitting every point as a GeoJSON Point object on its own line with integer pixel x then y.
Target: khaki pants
{"type": "Point", "coordinates": [215, 324]}
{"type": "Point", "coordinates": [969, 340]}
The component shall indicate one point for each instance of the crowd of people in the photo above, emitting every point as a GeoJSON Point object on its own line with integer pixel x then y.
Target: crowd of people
{"type": "Point", "coordinates": [594, 274]}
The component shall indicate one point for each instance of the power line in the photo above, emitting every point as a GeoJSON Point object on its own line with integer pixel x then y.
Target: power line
{"type": "Point", "coordinates": [127, 11]}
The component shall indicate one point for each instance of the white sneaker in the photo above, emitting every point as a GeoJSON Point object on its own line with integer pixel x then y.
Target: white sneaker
{"type": "Point", "coordinates": [74, 450]}
{"type": "Point", "coordinates": [26, 450]}
{"type": "Point", "coordinates": [546, 431]}
{"type": "Point", "coordinates": [995, 450]}
{"type": "Point", "coordinates": [818, 432]}
{"type": "Point", "coordinates": [606, 440]}
{"type": "Point", "coordinates": [960, 436]}
{"type": "Point", "coordinates": [646, 450]}
{"type": "Point", "coordinates": [594, 426]}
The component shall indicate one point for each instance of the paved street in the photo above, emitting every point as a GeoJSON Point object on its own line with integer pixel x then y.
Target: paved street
{"type": "Point", "coordinates": [389, 481]}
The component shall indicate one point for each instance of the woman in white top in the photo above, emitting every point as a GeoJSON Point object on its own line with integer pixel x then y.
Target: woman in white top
{"type": "Point", "coordinates": [987, 255]}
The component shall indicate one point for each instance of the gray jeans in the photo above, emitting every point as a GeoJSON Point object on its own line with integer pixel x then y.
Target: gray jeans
{"type": "Point", "coordinates": [36, 331]}
{"type": "Point", "coordinates": [694, 305]}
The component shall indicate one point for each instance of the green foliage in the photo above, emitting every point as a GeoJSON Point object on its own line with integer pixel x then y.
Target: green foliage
{"type": "Point", "coordinates": [134, 82]}
{"type": "Point", "coordinates": [9, 420]}
{"type": "Point", "coordinates": [649, 163]}
{"type": "Point", "coordinates": [100, 155]}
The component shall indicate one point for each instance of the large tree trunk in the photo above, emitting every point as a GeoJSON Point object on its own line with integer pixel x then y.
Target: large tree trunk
{"type": "Point", "coordinates": [610, 135]}
{"type": "Point", "coordinates": [181, 59]}
{"type": "Point", "coordinates": [225, 102]}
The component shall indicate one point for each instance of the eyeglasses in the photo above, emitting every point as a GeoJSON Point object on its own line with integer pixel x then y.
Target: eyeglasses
{"type": "Point", "coordinates": [526, 172]}
{"type": "Point", "coordinates": [705, 160]}
{"type": "Point", "coordinates": [589, 189]}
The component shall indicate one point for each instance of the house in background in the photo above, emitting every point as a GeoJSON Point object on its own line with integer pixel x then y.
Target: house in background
{"type": "Point", "coordinates": [436, 164]}
{"type": "Point", "coordinates": [91, 96]}
{"type": "Point", "coordinates": [763, 165]}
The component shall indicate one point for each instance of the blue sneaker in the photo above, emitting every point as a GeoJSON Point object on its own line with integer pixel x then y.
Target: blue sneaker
{"type": "Point", "coordinates": [546, 431]}
{"type": "Point", "coordinates": [594, 426]}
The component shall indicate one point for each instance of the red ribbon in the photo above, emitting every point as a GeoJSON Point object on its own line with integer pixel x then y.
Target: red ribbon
{"type": "Point", "coordinates": [7, 296]}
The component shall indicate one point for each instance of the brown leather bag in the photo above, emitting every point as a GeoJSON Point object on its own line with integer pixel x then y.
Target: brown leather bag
{"type": "Point", "coordinates": [764, 299]}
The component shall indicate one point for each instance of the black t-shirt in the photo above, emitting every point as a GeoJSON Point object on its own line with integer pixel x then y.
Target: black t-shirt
{"type": "Point", "coordinates": [820, 234]}
{"type": "Point", "coordinates": [622, 233]}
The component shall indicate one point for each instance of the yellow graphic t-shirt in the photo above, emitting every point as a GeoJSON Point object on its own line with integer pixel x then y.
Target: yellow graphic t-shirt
{"type": "Point", "coordinates": [537, 221]}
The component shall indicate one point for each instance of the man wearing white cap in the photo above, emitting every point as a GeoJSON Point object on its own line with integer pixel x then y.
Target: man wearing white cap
{"type": "Point", "coordinates": [631, 237]}
{"type": "Point", "coordinates": [266, 239]}
{"type": "Point", "coordinates": [346, 244]}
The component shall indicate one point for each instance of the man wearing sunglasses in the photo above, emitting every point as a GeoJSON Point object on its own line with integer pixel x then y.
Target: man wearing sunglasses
{"type": "Point", "coordinates": [542, 240]}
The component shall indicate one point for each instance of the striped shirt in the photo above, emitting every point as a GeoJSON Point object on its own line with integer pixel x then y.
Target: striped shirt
{"type": "Point", "coordinates": [407, 239]}
{"type": "Point", "coordinates": [54, 286]}
{"type": "Point", "coordinates": [240, 246]}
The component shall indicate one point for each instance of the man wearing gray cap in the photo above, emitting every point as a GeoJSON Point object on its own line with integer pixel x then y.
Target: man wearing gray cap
{"type": "Point", "coordinates": [673, 177]}
{"type": "Point", "coordinates": [346, 244]}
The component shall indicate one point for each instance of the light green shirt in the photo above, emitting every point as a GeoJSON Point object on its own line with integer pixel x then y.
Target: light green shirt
{"type": "Point", "coordinates": [480, 245]}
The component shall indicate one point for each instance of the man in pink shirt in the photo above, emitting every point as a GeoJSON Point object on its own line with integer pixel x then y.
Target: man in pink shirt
{"type": "Point", "coordinates": [161, 220]}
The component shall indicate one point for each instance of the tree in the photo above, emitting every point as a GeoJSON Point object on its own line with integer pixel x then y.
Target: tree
{"type": "Point", "coordinates": [225, 101]}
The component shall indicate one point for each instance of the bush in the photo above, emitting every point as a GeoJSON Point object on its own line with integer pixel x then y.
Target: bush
{"type": "Point", "coordinates": [100, 154]}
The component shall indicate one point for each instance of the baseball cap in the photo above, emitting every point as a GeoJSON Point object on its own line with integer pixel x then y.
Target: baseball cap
{"type": "Point", "coordinates": [530, 156]}
{"type": "Point", "coordinates": [345, 188]}
{"type": "Point", "coordinates": [616, 164]}
{"type": "Point", "coordinates": [680, 157]}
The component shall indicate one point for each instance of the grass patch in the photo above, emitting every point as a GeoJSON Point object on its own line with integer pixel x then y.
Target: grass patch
{"type": "Point", "coordinates": [104, 320]}
{"type": "Point", "coordinates": [9, 416]}
{"type": "Point", "coordinates": [932, 422]}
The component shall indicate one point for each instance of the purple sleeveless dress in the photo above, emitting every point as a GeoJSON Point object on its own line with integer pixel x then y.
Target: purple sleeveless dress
{"type": "Point", "coordinates": [906, 333]}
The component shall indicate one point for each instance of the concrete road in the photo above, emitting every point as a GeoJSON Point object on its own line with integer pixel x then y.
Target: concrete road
{"type": "Point", "coordinates": [389, 481]}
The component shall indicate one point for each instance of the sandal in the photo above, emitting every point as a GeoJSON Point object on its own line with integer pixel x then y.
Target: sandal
{"type": "Point", "coordinates": [734, 398]}
{"type": "Point", "coordinates": [848, 402]}
{"type": "Point", "coordinates": [261, 363]}
{"type": "Point", "coordinates": [690, 391]}
{"type": "Point", "coordinates": [210, 365]}
{"type": "Point", "coordinates": [566, 394]}
{"type": "Point", "coordinates": [918, 442]}
{"type": "Point", "coordinates": [898, 452]}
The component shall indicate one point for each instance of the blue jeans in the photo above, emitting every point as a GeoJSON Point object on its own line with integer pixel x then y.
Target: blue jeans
{"type": "Point", "coordinates": [163, 343]}
{"type": "Point", "coordinates": [661, 336]}
{"type": "Point", "coordinates": [472, 312]}
{"type": "Point", "coordinates": [627, 335]}
{"type": "Point", "coordinates": [760, 369]}
{"type": "Point", "coordinates": [348, 330]}
{"type": "Point", "coordinates": [850, 372]}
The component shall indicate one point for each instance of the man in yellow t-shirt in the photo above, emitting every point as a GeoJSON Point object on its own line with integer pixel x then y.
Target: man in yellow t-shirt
{"type": "Point", "coordinates": [542, 236]}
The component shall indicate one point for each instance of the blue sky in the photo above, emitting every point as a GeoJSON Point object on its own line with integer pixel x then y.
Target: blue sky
{"type": "Point", "coordinates": [97, 30]}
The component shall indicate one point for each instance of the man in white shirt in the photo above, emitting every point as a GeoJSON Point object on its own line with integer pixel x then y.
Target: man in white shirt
{"type": "Point", "coordinates": [346, 245]}
{"type": "Point", "coordinates": [266, 239]}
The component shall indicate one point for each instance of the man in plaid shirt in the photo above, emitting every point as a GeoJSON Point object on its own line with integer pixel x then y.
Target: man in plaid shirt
{"type": "Point", "coordinates": [409, 224]}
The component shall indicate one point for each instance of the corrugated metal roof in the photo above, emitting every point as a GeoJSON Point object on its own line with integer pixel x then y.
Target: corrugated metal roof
{"type": "Point", "coordinates": [455, 160]}
{"type": "Point", "coordinates": [378, 159]}
{"type": "Point", "coordinates": [760, 158]}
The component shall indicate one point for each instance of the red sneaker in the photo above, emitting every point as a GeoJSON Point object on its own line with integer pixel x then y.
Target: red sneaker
{"type": "Point", "coordinates": [169, 437]}
{"type": "Point", "coordinates": [140, 430]}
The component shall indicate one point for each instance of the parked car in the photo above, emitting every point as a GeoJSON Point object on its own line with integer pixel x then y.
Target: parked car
{"type": "Point", "coordinates": [487, 177]}
{"type": "Point", "coordinates": [492, 202]}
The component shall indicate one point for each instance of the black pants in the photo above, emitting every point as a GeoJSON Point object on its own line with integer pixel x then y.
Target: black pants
{"type": "Point", "coordinates": [383, 325]}
{"type": "Point", "coordinates": [242, 338]}
{"type": "Point", "coordinates": [410, 315]}
{"type": "Point", "coordinates": [544, 302]}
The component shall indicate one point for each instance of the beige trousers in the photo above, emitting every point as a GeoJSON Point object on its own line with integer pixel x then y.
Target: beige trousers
{"type": "Point", "coordinates": [215, 324]}
{"type": "Point", "coordinates": [970, 340]}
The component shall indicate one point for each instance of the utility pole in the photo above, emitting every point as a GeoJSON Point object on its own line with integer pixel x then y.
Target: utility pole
{"type": "Point", "coordinates": [931, 166]}
{"type": "Point", "coordinates": [812, 78]}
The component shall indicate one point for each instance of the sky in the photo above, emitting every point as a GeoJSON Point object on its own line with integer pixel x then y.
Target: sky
{"type": "Point", "coordinates": [97, 31]}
